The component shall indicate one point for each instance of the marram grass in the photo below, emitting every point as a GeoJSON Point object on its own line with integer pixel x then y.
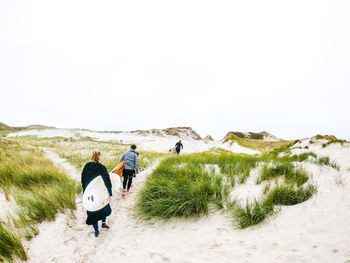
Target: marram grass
{"type": "Point", "coordinates": [179, 192]}
{"type": "Point", "coordinates": [39, 189]}
{"type": "Point", "coordinates": [254, 213]}
{"type": "Point", "coordinates": [183, 187]}
{"type": "Point", "coordinates": [291, 174]}
{"type": "Point", "coordinates": [10, 245]}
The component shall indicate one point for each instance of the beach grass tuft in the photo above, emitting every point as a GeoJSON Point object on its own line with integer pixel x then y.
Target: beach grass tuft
{"type": "Point", "coordinates": [10, 245]}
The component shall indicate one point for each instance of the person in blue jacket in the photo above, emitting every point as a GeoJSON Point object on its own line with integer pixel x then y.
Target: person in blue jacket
{"type": "Point", "coordinates": [91, 171]}
{"type": "Point", "coordinates": [131, 166]}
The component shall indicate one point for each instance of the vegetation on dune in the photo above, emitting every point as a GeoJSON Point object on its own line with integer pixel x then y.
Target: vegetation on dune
{"type": "Point", "coordinates": [252, 213]}
{"type": "Point", "coordinates": [4, 133]}
{"type": "Point", "coordinates": [325, 137]}
{"type": "Point", "coordinates": [327, 162]}
{"type": "Point", "coordinates": [290, 195]}
{"type": "Point", "coordinates": [182, 186]}
{"type": "Point", "coordinates": [181, 192]}
{"type": "Point", "coordinates": [256, 212]}
{"type": "Point", "coordinates": [330, 138]}
{"type": "Point", "coordinates": [257, 144]}
{"type": "Point", "coordinates": [78, 151]}
{"type": "Point", "coordinates": [110, 157]}
{"type": "Point", "coordinates": [39, 189]}
{"type": "Point", "coordinates": [4, 127]}
{"type": "Point", "coordinates": [291, 174]}
{"type": "Point", "coordinates": [10, 245]}
{"type": "Point", "coordinates": [324, 145]}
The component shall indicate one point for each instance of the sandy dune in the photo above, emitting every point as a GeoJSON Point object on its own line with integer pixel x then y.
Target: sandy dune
{"type": "Point", "coordinates": [317, 230]}
{"type": "Point", "coordinates": [143, 141]}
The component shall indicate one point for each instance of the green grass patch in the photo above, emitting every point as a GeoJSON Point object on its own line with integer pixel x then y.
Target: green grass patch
{"type": "Point", "coordinates": [252, 213]}
{"type": "Point", "coordinates": [256, 212]}
{"type": "Point", "coordinates": [39, 189]}
{"type": "Point", "coordinates": [327, 162]}
{"type": "Point", "coordinates": [10, 245]}
{"type": "Point", "coordinates": [185, 191]}
{"type": "Point", "coordinates": [291, 174]}
{"type": "Point", "coordinates": [290, 195]}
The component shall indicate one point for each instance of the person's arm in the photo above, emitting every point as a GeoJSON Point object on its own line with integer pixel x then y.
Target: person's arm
{"type": "Point", "coordinates": [83, 173]}
{"type": "Point", "coordinates": [182, 146]}
{"type": "Point", "coordinates": [136, 164]}
{"type": "Point", "coordinates": [122, 158]}
{"type": "Point", "coordinates": [107, 181]}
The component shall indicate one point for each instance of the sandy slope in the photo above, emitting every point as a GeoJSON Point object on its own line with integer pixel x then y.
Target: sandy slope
{"type": "Point", "coordinates": [317, 230]}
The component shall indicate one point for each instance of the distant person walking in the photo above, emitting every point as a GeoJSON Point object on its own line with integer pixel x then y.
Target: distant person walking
{"type": "Point", "coordinates": [131, 166]}
{"type": "Point", "coordinates": [178, 146]}
{"type": "Point", "coordinates": [90, 172]}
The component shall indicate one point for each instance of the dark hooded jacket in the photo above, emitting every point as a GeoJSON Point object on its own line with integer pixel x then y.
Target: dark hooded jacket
{"type": "Point", "coordinates": [178, 146]}
{"type": "Point", "coordinates": [91, 171]}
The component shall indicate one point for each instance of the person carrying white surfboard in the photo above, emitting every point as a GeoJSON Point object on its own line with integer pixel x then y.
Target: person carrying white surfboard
{"type": "Point", "coordinates": [92, 170]}
{"type": "Point", "coordinates": [131, 166]}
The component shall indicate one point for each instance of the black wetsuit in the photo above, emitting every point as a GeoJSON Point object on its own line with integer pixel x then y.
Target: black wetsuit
{"type": "Point", "coordinates": [178, 147]}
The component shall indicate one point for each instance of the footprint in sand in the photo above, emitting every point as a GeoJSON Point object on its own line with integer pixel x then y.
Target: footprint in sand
{"type": "Point", "coordinates": [157, 256]}
{"type": "Point", "coordinates": [68, 240]}
{"type": "Point", "coordinates": [215, 245]}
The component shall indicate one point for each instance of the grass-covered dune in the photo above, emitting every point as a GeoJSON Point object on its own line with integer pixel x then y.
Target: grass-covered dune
{"type": "Point", "coordinates": [256, 144]}
{"type": "Point", "coordinates": [39, 189]}
{"type": "Point", "coordinates": [78, 151]}
{"type": "Point", "coordinates": [191, 185]}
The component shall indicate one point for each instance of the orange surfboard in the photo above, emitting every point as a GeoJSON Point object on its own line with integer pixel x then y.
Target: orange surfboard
{"type": "Point", "coordinates": [118, 169]}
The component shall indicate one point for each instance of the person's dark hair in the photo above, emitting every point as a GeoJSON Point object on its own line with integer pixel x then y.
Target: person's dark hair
{"type": "Point", "coordinates": [133, 147]}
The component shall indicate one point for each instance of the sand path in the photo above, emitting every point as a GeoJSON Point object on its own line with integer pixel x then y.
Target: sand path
{"type": "Point", "coordinates": [314, 231]}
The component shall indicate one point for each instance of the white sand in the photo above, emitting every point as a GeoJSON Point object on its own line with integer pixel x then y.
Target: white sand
{"type": "Point", "coordinates": [317, 230]}
{"type": "Point", "coordinates": [249, 190]}
{"type": "Point", "coordinates": [7, 207]}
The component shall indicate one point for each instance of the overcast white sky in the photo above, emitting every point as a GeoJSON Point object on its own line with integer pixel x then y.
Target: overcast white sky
{"type": "Point", "coordinates": [280, 66]}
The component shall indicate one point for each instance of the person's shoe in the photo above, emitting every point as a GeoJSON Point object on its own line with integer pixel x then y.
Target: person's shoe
{"type": "Point", "coordinates": [104, 225]}
{"type": "Point", "coordinates": [123, 193]}
{"type": "Point", "coordinates": [97, 233]}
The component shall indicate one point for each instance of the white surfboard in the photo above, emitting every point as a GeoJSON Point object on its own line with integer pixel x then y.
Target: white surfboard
{"type": "Point", "coordinates": [96, 195]}
{"type": "Point", "coordinates": [116, 182]}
